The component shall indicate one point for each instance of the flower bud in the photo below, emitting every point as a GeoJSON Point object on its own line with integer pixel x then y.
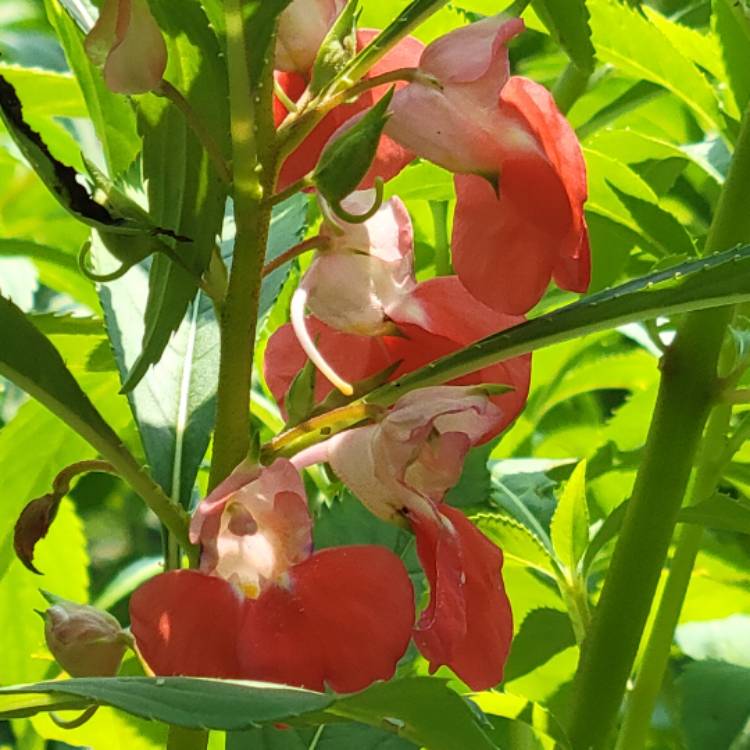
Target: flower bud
{"type": "Point", "coordinates": [85, 641]}
{"type": "Point", "coordinates": [302, 28]}
{"type": "Point", "coordinates": [127, 42]}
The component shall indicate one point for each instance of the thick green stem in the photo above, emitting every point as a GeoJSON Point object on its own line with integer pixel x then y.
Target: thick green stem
{"type": "Point", "coordinates": [688, 387]}
{"type": "Point", "coordinates": [250, 108]}
{"type": "Point", "coordinates": [641, 702]}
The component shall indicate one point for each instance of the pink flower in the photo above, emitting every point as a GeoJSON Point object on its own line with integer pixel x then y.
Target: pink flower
{"type": "Point", "coordinates": [262, 607]}
{"type": "Point", "coordinates": [438, 317]}
{"type": "Point", "coordinates": [402, 467]}
{"type": "Point", "coordinates": [302, 28]}
{"type": "Point", "coordinates": [127, 41]}
{"type": "Point", "coordinates": [521, 181]}
{"type": "Point", "coordinates": [391, 158]}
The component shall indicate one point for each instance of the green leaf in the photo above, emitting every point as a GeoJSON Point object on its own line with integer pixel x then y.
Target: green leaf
{"type": "Point", "coordinates": [605, 533]}
{"type": "Point", "coordinates": [732, 27]}
{"type": "Point", "coordinates": [45, 92]}
{"type": "Point", "coordinates": [474, 485]}
{"type": "Point", "coordinates": [184, 190]}
{"type": "Point", "coordinates": [719, 512]}
{"type": "Point", "coordinates": [544, 633]}
{"type": "Point", "coordinates": [543, 730]}
{"type": "Point", "coordinates": [715, 703]}
{"type": "Point", "coordinates": [30, 360]}
{"type": "Point", "coordinates": [288, 225]}
{"type": "Point", "coordinates": [567, 21]}
{"type": "Point", "coordinates": [111, 114]}
{"type": "Point", "coordinates": [518, 543]}
{"type": "Point", "coordinates": [348, 736]}
{"type": "Point", "coordinates": [187, 702]}
{"type": "Point", "coordinates": [627, 40]}
{"type": "Point", "coordinates": [423, 710]}
{"type": "Point", "coordinates": [345, 161]}
{"type": "Point", "coordinates": [570, 524]}
{"type": "Point", "coordinates": [174, 404]}
{"type": "Point", "coordinates": [726, 640]}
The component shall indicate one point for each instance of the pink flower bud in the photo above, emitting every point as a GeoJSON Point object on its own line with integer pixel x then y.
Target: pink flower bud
{"type": "Point", "coordinates": [302, 28]}
{"type": "Point", "coordinates": [85, 641]}
{"type": "Point", "coordinates": [127, 42]}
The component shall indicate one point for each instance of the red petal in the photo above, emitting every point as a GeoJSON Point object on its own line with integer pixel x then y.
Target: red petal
{"type": "Point", "coordinates": [344, 621]}
{"type": "Point", "coordinates": [351, 356]}
{"type": "Point", "coordinates": [468, 623]}
{"type": "Point", "coordinates": [186, 623]}
{"type": "Point", "coordinates": [449, 319]}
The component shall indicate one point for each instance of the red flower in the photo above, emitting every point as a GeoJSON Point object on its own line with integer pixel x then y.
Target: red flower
{"type": "Point", "coordinates": [438, 317]}
{"type": "Point", "coordinates": [521, 181]}
{"type": "Point", "coordinates": [403, 467]}
{"type": "Point", "coordinates": [263, 607]}
{"type": "Point", "coordinates": [391, 158]}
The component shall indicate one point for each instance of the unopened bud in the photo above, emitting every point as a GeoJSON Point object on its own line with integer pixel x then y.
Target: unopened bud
{"type": "Point", "coordinates": [128, 43]}
{"type": "Point", "coordinates": [85, 641]}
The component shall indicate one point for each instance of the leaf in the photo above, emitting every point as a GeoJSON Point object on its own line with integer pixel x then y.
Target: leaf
{"type": "Point", "coordinates": [541, 724]}
{"type": "Point", "coordinates": [29, 360]}
{"type": "Point", "coordinates": [625, 39]}
{"type": "Point", "coordinates": [288, 225]}
{"type": "Point", "coordinates": [111, 114]}
{"type": "Point", "coordinates": [420, 709]}
{"type": "Point", "coordinates": [474, 485]}
{"type": "Point", "coordinates": [544, 633]}
{"type": "Point", "coordinates": [348, 736]}
{"type": "Point", "coordinates": [185, 191]}
{"type": "Point", "coordinates": [174, 404]}
{"type": "Point", "coordinates": [732, 27]}
{"type": "Point", "coordinates": [423, 710]}
{"type": "Point", "coordinates": [605, 533]}
{"type": "Point", "coordinates": [719, 512]}
{"type": "Point", "coordinates": [715, 703]}
{"type": "Point", "coordinates": [517, 542]}
{"type": "Point", "coordinates": [45, 92]}
{"type": "Point", "coordinates": [567, 21]}
{"type": "Point", "coordinates": [726, 640]}
{"type": "Point", "coordinates": [570, 524]}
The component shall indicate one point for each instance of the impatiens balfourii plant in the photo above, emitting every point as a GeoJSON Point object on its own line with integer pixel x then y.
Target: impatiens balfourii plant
{"type": "Point", "coordinates": [332, 243]}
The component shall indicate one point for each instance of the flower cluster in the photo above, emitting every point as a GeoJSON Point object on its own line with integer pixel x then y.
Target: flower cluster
{"type": "Point", "coordinates": [264, 604]}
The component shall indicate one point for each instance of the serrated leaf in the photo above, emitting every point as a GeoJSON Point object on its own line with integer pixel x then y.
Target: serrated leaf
{"type": "Point", "coordinates": [185, 191]}
{"type": "Point", "coordinates": [347, 736]}
{"type": "Point", "coordinates": [545, 731]}
{"type": "Point", "coordinates": [719, 512]}
{"type": "Point", "coordinates": [423, 710]}
{"type": "Point", "coordinates": [732, 27]}
{"type": "Point", "coordinates": [46, 92]}
{"type": "Point", "coordinates": [543, 633]}
{"type": "Point", "coordinates": [570, 524]}
{"type": "Point", "coordinates": [567, 21]}
{"type": "Point", "coordinates": [112, 115]}
{"type": "Point", "coordinates": [174, 404]}
{"type": "Point", "coordinates": [519, 545]}
{"type": "Point", "coordinates": [625, 39]}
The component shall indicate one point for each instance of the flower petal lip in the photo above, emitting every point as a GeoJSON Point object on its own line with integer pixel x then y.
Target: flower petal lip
{"type": "Point", "coordinates": [186, 623]}
{"type": "Point", "coordinates": [344, 621]}
{"type": "Point", "coordinates": [468, 624]}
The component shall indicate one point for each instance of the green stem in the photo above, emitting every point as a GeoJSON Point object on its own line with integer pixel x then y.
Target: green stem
{"type": "Point", "coordinates": [570, 86]}
{"type": "Point", "coordinates": [687, 390]}
{"type": "Point", "coordinates": [186, 739]}
{"type": "Point", "coordinates": [254, 174]}
{"type": "Point", "coordinates": [641, 703]}
{"type": "Point", "coordinates": [577, 603]}
{"type": "Point", "coordinates": [439, 211]}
